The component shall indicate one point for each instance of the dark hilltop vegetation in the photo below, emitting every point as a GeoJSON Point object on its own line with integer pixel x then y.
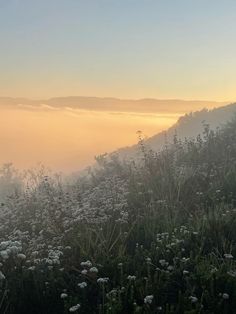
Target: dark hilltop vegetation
{"type": "Point", "coordinates": [152, 237]}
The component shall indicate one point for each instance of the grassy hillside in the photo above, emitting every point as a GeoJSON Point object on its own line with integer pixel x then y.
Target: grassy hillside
{"type": "Point", "coordinates": [153, 237]}
{"type": "Point", "coordinates": [189, 125]}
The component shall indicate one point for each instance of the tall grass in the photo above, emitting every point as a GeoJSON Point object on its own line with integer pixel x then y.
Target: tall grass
{"type": "Point", "coordinates": [130, 237]}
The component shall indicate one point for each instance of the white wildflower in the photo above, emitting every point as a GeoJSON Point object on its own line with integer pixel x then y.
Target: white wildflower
{"type": "Point", "coordinates": [4, 255]}
{"type": "Point", "coordinates": [84, 272]}
{"type": "Point", "coordinates": [2, 276]}
{"type": "Point", "coordinates": [148, 299]}
{"type": "Point", "coordinates": [32, 268]}
{"type": "Point", "coordinates": [86, 264]}
{"type": "Point", "coordinates": [102, 280]}
{"type": "Point", "coordinates": [21, 256]}
{"type": "Point", "coordinates": [64, 295]}
{"type": "Point", "coordinates": [163, 262]}
{"type": "Point", "coordinates": [225, 296]}
{"type": "Point", "coordinates": [82, 285]}
{"type": "Point", "coordinates": [232, 273]}
{"type": "Point", "coordinates": [74, 308]}
{"type": "Point", "coordinates": [193, 299]}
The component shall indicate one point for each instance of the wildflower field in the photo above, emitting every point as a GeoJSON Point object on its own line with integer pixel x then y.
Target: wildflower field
{"type": "Point", "coordinates": [156, 236]}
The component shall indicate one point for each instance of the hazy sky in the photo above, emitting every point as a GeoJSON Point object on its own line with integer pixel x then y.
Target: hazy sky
{"type": "Point", "coordinates": [67, 139]}
{"type": "Point", "coordinates": [122, 48]}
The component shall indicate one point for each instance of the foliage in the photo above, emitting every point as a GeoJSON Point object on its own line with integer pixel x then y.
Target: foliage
{"type": "Point", "coordinates": [155, 237]}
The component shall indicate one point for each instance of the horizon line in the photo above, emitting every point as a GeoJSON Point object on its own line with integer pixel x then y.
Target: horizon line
{"type": "Point", "coordinates": [116, 98]}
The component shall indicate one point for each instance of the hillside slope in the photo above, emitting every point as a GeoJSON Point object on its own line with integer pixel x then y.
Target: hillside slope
{"type": "Point", "coordinates": [188, 126]}
{"type": "Point", "coordinates": [154, 237]}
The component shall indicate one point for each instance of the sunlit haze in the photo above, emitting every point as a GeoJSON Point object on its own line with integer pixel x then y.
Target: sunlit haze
{"type": "Point", "coordinates": [126, 49]}
{"type": "Point", "coordinates": [67, 139]}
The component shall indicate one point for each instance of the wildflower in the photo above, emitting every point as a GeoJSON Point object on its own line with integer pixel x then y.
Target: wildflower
{"type": "Point", "coordinates": [193, 299]}
{"type": "Point", "coordinates": [131, 278]}
{"type": "Point", "coordinates": [228, 256]}
{"type": "Point", "coordinates": [102, 280]}
{"type": "Point", "coordinates": [232, 273]}
{"type": "Point", "coordinates": [225, 296]}
{"type": "Point", "coordinates": [93, 270]}
{"type": "Point", "coordinates": [64, 295]}
{"type": "Point", "coordinates": [86, 264]}
{"type": "Point", "coordinates": [32, 268]}
{"type": "Point", "coordinates": [74, 308]}
{"type": "Point", "coordinates": [82, 285]}
{"type": "Point", "coordinates": [4, 255]}
{"type": "Point", "coordinates": [13, 249]}
{"type": "Point", "coordinates": [4, 245]}
{"type": "Point", "coordinates": [163, 262]}
{"type": "Point", "coordinates": [148, 299]}
{"type": "Point", "coordinates": [21, 256]}
{"type": "Point", "coordinates": [170, 267]}
{"type": "Point", "coordinates": [148, 260]}
{"type": "Point", "coordinates": [2, 276]}
{"type": "Point", "coordinates": [185, 272]}
{"type": "Point", "coordinates": [84, 272]}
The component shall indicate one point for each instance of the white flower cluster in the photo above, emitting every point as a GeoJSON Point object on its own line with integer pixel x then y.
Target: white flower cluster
{"type": "Point", "coordinates": [193, 299]}
{"type": "Point", "coordinates": [103, 280]}
{"type": "Point", "coordinates": [148, 299]}
{"type": "Point", "coordinates": [82, 285]}
{"type": "Point", "coordinates": [2, 276]}
{"type": "Point", "coordinates": [163, 262]}
{"type": "Point", "coordinates": [64, 295]}
{"type": "Point", "coordinates": [74, 308]}
{"type": "Point", "coordinates": [10, 248]}
{"type": "Point", "coordinates": [53, 257]}
{"type": "Point", "coordinates": [86, 264]}
{"type": "Point", "coordinates": [93, 270]}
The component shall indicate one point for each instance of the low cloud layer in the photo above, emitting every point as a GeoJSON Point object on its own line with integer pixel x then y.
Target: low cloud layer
{"type": "Point", "coordinates": [66, 136]}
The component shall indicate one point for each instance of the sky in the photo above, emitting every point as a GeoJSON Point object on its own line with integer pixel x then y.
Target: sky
{"type": "Point", "coordinates": [176, 49]}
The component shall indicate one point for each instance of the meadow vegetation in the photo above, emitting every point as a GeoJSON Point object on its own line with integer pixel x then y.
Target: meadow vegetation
{"type": "Point", "coordinates": [152, 237]}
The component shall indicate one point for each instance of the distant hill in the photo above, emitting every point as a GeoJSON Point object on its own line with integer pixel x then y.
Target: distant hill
{"type": "Point", "coordinates": [113, 104]}
{"type": "Point", "coordinates": [188, 126]}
